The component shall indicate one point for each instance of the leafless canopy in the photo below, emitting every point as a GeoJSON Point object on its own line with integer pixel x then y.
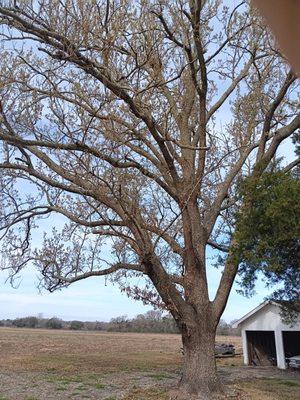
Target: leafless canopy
{"type": "Point", "coordinates": [133, 120]}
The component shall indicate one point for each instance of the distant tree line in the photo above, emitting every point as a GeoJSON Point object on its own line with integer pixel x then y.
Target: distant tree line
{"type": "Point", "coordinates": [150, 322]}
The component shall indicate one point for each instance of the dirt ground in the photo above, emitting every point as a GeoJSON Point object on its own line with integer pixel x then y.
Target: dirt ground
{"type": "Point", "coordinates": [47, 365]}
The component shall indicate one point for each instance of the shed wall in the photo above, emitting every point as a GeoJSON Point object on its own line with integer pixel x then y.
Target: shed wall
{"type": "Point", "coordinates": [268, 319]}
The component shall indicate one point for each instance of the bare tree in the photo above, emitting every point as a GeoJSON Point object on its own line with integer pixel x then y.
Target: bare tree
{"type": "Point", "coordinates": [134, 120]}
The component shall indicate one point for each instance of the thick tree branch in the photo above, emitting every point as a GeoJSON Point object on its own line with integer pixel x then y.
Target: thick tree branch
{"type": "Point", "coordinates": [291, 165]}
{"type": "Point", "coordinates": [103, 272]}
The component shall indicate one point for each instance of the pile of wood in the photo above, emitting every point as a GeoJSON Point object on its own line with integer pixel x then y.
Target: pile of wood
{"type": "Point", "coordinates": [224, 350]}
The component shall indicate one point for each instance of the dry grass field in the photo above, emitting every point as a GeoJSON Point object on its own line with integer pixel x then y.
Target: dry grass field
{"type": "Point", "coordinates": [43, 364]}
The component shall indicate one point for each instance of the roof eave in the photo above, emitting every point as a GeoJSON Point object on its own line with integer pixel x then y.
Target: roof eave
{"type": "Point", "coordinates": [252, 312]}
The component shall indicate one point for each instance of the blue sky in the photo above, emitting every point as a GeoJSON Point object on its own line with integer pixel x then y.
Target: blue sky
{"type": "Point", "coordinates": [92, 300]}
{"type": "Point", "coordinates": [86, 300]}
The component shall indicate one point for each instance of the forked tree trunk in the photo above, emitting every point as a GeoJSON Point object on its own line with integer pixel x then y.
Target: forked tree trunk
{"type": "Point", "coordinates": [199, 375]}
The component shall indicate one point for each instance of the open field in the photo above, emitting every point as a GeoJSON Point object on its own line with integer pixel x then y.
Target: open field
{"type": "Point", "coordinates": [43, 364]}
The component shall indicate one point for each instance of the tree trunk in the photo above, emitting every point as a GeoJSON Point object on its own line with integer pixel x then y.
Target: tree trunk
{"type": "Point", "coordinates": [199, 375]}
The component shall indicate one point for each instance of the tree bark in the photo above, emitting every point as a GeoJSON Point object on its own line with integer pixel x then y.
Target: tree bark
{"type": "Point", "coordinates": [199, 375]}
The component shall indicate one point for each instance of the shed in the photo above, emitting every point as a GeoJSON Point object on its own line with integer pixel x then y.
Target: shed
{"type": "Point", "coordinates": [267, 339]}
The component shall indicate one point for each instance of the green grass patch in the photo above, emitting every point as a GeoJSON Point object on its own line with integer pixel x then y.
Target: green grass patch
{"type": "Point", "coordinates": [159, 376]}
{"type": "Point", "coordinates": [78, 393]}
{"type": "Point", "coordinates": [99, 386]}
{"type": "Point", "coordinates": [72, 379]}
{"type": "Point", "coordinates": [92, 376]}
{"type": "Point", "coordinates": [284, 382]}
{"type": "Point", "coordinates": [291, 383]}
{"type": "Point", "coordinates": [81, 387]}
{"type": "Point", "coordinates": [275, 388]}
{"type": "Point", "coordinates": [147, 394]}
{"type": "Point", "coordinates": [65, 380]}
{"type": "Point", "coordinates": [61, 388]}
